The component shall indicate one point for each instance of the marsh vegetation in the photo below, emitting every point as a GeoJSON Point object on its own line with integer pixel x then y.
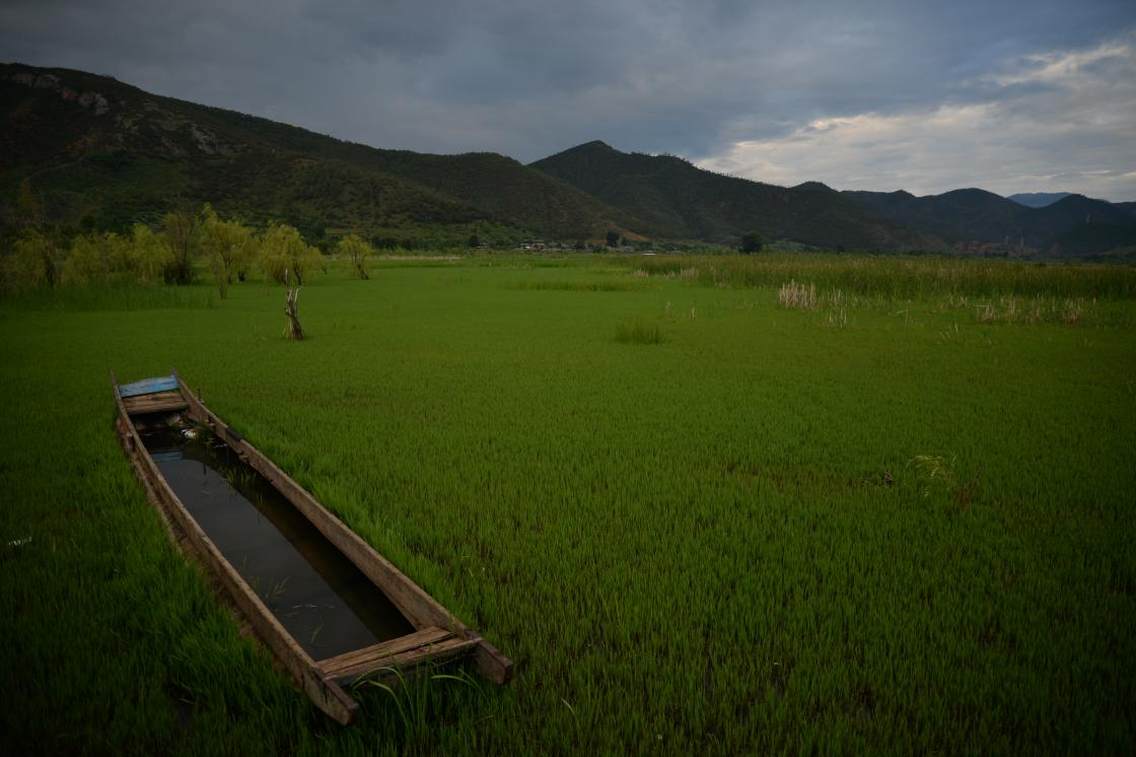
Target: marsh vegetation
{"type": "Point", "coordinates": [883, 522]}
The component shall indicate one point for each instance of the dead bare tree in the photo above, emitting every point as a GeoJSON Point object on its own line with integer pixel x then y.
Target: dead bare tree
{"type": "Point", "coordinates": [293, 329]}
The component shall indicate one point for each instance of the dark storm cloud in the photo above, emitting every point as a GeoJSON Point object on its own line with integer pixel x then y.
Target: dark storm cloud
{"type": "Point", "coordinates": [531, 78]}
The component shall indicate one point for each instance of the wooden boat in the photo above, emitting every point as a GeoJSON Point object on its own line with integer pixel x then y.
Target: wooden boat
{"type": "Point", "coordinates": [436, 634]}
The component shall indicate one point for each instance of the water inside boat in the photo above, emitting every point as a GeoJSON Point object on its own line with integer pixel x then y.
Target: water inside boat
{"type": "Point", "coordinates": [316, 593]}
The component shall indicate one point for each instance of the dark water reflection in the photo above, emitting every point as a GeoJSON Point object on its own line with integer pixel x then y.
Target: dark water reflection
{"type": "Point", "coordinates": [316, 593]}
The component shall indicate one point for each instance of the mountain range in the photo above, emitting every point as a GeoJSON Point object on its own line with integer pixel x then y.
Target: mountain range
{"type": "Point", "coordinates": [1037, 199]}
{"type": "Point", "coordinates": [100, 154]}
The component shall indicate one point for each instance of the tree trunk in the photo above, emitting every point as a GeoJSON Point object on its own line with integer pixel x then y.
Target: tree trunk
{"type": "Point", "coordinates": [293, 330]}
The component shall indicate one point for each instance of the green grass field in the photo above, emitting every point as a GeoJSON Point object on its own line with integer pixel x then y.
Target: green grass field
{"type": "Point", "coordinates": [697, 520]}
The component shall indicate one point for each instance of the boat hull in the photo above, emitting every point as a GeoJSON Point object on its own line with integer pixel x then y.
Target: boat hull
{"type": "Point", "coordinates": [437, 636]}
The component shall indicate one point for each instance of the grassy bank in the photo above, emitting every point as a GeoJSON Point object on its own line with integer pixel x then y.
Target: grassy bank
{"type": "Point", "coordinates": [697, 519]}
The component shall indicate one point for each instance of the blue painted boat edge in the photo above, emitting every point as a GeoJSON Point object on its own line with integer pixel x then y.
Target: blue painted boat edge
{"type": "Point", "coordinates": [148, 386]}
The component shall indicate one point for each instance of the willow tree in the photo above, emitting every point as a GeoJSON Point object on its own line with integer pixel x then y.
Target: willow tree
{"type": "Point", "coordinates": [287, 258]}
{"type": "Point", "coordinates": [357, 251]}
{"type": "Point", "coordinates": [94, 259]}
{"type": "Point", "coordinates": [149, 254]}
{"type": "Point", "coordinates": [226, 244]}
{"type": "Point", "coordinates": [182, 230]}
{"type": "Point", "coordinates": [34, 262]}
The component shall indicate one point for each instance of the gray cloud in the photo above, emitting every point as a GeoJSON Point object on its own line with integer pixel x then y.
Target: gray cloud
{"type": "Point", "coordinates": [1060, 119]}
{"type": "Point", "coordinates": [692, 78]}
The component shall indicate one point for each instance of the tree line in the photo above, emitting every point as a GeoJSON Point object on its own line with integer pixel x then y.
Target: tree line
{"type": "Point", "coordinates": [171, 253]}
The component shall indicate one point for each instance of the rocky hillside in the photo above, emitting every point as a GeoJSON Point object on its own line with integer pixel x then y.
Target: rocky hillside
{"type": "Point", "coordinates": [102, 154]}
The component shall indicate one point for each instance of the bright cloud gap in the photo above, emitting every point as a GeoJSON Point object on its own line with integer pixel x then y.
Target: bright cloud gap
{"type": "Point", "coordinates": [1058, 121]}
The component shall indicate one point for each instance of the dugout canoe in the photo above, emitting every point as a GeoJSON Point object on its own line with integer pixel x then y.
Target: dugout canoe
{"type": "Point", "coordinates": [433, 634]}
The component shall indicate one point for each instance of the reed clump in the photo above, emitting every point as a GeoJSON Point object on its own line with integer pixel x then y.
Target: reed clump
{"type": "Point", "coordinates": [905, 277]}
{"type": "Point", "coordinates": [1069, 311]}
{"type": "Point", "coordinates": [797, 296]}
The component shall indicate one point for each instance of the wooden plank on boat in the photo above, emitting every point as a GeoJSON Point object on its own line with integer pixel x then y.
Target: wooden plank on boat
{"type": "Point", "coordinates": [436, 652]}
{"type": "Point", "coordinates": [158, 402]}
{"type": "Point", "coordinates": [421, 609]}
{"type": "Point", "coordinates": [325, 693]}
{"type": "Point", "coordinates": [369, 654]}
{"type": "Point", "coordinates": [142, 399]}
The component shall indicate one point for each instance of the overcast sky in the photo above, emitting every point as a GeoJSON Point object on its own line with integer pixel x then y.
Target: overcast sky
{"type": "Point", "coordinates": [1009, 96]}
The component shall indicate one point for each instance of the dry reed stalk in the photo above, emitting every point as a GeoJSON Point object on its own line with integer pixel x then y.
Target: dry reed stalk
{"type": "Point", "coordinates": [797, 296]}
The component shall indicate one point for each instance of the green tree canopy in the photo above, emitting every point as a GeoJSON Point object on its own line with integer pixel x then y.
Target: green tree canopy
{"type": "Point", "coordinates": [34, 262]}
{"type": "Point", "coordinates": [285, 256]}
{"type": "Point", "coordinates": [357, 251]}
{"type": "Point", "coordinates": [227, 245]}
{"type": "Point", "coordinates": [752, 242]}
{"type": "Point", "coordinates": [183, 236]}
{"type": "Point", "coordinates": [149, 254]}
{"type": "Point", "coordinates": [98, 258]}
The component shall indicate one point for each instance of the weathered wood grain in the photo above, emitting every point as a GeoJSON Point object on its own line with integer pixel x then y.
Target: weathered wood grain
{"type": "Point", "coordinates": [385, 648]}
{"type": "Point", "coordinates": [381, 667]}
{"type": "Point", "coordinates": [158, 402]}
